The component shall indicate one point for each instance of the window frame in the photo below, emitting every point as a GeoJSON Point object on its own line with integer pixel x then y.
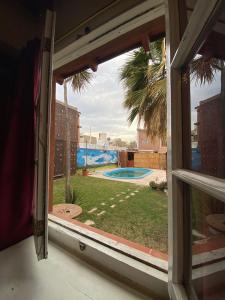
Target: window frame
{"type": "Point", "coordinates": [181, 48]}
{"type": "Point", "coordinates": [153, 280]}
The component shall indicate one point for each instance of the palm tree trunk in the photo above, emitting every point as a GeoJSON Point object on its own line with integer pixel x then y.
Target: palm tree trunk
{"type": "Point", "coordinates": [68, 189]}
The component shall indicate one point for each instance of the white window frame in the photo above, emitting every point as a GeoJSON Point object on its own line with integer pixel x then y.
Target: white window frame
{"type": "Point", "coordinates": [180, 50]}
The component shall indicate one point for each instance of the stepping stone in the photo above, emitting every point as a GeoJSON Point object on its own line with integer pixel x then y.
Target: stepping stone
{"type": "Point", "coordinates": [117, 195]}
{"type": "Point", "coordinates": [132, 194]}
{"type": "Point", "coordinates": [123, 193]}
{"type": "Point", "coordinates": [103, 203]}
{"type": "Point", "coordinates": [128, 190]}
{"type": "Point", "coordinates": [89, 222]}
{"type": "Point", "coordinates": [136, 191]}
{"type": "Point", "coordinates": [92, 210]}
{"type": "Point", "coordinates": [121, 200]}
{"type": "Point", "coordinates": [112, 206]}
{"type": "Point", "coordinates": [111, 198]}
{"type": "Point", "coordinates": [101, 213]}
{"type": "Point", "coordinates": [127, 197]}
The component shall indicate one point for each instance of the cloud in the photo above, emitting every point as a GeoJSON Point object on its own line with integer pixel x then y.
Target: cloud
{"type": "Point", "coordinates": [101, 103]}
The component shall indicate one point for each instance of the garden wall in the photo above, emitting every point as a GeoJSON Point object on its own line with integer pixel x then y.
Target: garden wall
{"type": "Point", "coordinates": [96, 157]}
{"type": "Point", "coordinates": [150, 160]}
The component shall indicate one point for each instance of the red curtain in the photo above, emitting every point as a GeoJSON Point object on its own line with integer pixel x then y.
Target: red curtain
{"type": "Point", "coordinates": [17, 149]}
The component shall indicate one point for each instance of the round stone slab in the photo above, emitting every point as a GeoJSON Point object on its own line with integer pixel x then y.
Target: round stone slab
{"type": "Point", "coordinates": [68, 210]}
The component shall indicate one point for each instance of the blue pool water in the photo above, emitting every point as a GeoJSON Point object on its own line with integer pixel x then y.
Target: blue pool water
{"type": "Point", "coordinates": [128, 173]}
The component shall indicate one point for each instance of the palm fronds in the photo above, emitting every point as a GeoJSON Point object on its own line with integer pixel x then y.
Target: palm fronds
{"type": "Point", "coordinates": [80, 80]}
{"type": "Point", "coordinates": [202, 69]}
{"type": "Point", "coordinates": [143, 76]}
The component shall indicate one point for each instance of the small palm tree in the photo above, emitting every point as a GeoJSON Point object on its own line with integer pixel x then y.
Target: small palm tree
{"type": "Point", "coordinates": [144, 78]}
{"type": "Point", "coordinates": [78, 82]}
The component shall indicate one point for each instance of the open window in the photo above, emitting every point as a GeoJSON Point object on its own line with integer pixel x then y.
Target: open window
{"type": "Point", "coordinates": [196, 136]}
{"type": "Point", "coordinates": [25, 70]}
{"type": "Point", "coordinates": [138, 27]}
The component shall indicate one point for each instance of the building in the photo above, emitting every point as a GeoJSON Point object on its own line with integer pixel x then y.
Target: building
{"type": "Point", "coordinates": [147, 143]}
{"type": "Point", "coordinates": [92, 140]}
{"type": "Point", "coordinates": [209, 137]}
{"type": "Point", "coordinates": [81, 263]}
{"type": "Point", "coordinates": [60, 137]}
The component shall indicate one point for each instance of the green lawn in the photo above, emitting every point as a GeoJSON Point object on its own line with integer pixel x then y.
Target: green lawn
{"type": "Point", "coordinates": [141, 218]}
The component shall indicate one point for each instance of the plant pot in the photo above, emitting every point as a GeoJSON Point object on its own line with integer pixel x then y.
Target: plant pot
{"type": "Point", "coordinates": [84, 172]}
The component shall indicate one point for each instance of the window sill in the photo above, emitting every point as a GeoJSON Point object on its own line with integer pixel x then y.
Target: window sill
{"type": "Point", "coordinates": [145, 271]}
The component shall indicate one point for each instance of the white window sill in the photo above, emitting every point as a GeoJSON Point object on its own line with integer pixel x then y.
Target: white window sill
{"type": "Point", "coordinates": [146, 271]}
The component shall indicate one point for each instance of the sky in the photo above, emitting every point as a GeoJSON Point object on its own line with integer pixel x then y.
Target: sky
{"type": "Point", "coordinates": [101, 103]}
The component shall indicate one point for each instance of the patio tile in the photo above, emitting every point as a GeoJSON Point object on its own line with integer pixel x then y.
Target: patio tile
{"type": "Point", "coordinates": [89, 222]}
{"type": "Point", "coordinates": [92, 210]}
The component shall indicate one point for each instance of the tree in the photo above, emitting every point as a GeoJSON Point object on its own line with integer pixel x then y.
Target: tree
{"type": "Point", "coordinates": [132, 145]}
{"type": "Point", "coordinates": [144, 78]}
{"type": "Point", "coordinates": [78, 82]}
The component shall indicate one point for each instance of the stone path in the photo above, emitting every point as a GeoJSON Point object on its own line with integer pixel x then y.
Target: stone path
{"type": "Point", "coordinates": [92, 210]}
{"type": "Point", "coordinates": [101, 213]}
{"type": "Point", "coordinates": [89, 222]}
{"type": "Point", "coordinates": [126, 194]}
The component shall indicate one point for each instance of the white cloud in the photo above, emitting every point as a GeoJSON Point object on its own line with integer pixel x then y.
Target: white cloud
{"type": "Point", "coordinates": [101, 103]}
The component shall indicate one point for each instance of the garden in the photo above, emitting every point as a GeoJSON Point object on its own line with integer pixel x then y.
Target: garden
{"type": "Point", "coordinates": [134, 212]}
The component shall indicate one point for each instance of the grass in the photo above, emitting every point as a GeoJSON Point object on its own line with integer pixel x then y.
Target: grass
{"type": "Point", "coordinates": [141, 218]}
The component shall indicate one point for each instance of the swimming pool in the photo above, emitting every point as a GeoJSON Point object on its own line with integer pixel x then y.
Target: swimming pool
{"type": "Point", "coordinates": [128, 173]}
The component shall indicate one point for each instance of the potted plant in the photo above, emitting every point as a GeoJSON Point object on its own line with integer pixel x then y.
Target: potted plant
{"type": "Point", "coordinates": [85, 172]}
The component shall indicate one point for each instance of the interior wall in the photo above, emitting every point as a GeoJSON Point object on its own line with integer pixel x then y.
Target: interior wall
{"type": "Point", "coordinates": [17, 24]}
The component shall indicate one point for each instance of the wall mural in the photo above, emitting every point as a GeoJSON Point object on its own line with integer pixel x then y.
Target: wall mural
{"type": "Point", "coordinates": [96, 157]}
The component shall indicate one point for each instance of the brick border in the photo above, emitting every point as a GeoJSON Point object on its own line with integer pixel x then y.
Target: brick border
{"type": "Point", "coordinates": [146, 250]}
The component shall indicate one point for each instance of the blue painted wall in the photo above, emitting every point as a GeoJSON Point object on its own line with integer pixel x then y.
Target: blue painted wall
{"type": "Point", "coordinates": [196, 159]}
{"type": "Point", "coordinates": [96, 157]}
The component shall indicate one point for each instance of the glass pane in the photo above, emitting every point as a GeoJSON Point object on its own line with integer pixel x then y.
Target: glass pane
{"type": "Point", "coordinates": [206, 78]}
{"type": "Point", "coordinates": [208, 246]}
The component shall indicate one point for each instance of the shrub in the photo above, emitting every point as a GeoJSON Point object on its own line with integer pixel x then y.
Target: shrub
{"type": "Point", "coordinates": [156, 185]}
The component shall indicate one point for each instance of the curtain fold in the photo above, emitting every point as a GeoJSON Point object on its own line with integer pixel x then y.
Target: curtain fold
{"type": "Point", "coordinates": [17, 149]}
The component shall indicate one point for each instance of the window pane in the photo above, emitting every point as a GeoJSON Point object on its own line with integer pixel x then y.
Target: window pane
{"type": "Point", "coordinates": [208, 245]}
{"type": "Point", "coordinates": [206, 78]}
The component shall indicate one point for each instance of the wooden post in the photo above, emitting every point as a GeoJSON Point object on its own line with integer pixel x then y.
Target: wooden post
{"type": "Point", "coordinates": [52, 146]}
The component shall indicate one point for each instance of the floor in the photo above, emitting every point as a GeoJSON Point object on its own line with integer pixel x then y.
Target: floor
{"type": "Point", "coordinates": [156, 175]}
{"type": "Point", "coordinates": [61, 277]}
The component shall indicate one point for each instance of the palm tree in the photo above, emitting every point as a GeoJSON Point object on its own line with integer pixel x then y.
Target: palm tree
{"type": "Point", "coordinates": [78, 82]}
{"type": "Point", "coordinates": [144, 78]}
